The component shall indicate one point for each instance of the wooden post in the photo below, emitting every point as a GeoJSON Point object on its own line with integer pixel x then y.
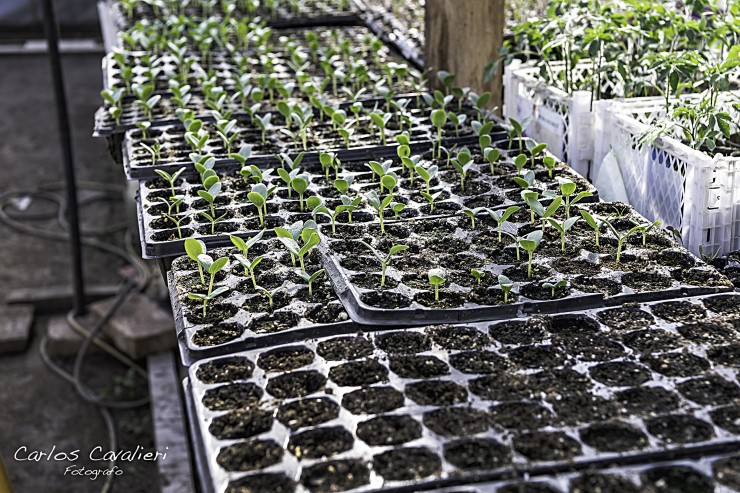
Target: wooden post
{"type": "Point", "coordinates": [462, 37]}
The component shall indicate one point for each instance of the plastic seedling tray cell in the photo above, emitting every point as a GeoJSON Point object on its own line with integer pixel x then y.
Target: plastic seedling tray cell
{"type": "Point", "coordinates": [242, 318]}
{"type": "Point", "coordinates": [160, 237]}
{"type": "Point", "coordinates": [661, 269]}
{"type": "Point", "coordinates": [453, 404]}
{"type": "Point", "coordinates": [406, 35]}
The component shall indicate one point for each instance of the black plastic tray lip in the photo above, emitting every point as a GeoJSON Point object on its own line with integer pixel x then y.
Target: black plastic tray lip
{"type": "Point", "coordinates": [138, 173]}
{"type": "Point", "coordinates": [198, 447]}
{"type": "Point", "coordinates": [189, 353]}
{"type": "Point", "coordinates": [400, 43]}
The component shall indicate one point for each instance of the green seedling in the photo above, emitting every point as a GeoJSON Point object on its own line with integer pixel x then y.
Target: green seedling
{"type": "Point", "coordinates": [174, 202]}
{"type": "Point", "coordinates": [385, 260]}
{"type": "Point", "coordinates": [502, 216]}
{"type": "Point", "coordinates": [342, 184]}
{"type": "Point", "coordinates": [213, 267]}
{"type": "Point", "coordinates": [350, 205]}
{"type": "Point", "coordinates": [567, 189]}
{"type": "Point", "coordinates": [437, 278]}
{"type": "Point", "coordinates": [621, 238]}
{"type": "Point", "coordinates": [535, 150]}
{"type": "Point", "coordinates": [481, 103]}
{"type": "Point", "coordinates": [250, 266]}
{"type": "Point", "coordinates": [457, 121]}
{"type": "Point", "coordinates": [492, 155]}
{"type": "Point", "coordinates": [555, 286]}
{"type": "Point", "coordinates": [301, 251]}
{"type": "Point", "coordinates": [427, 174]}
{"type": "Point", "coordinates": [328, 162]}
{"type": "Point", "coordinates": [563, 227]}
{"type": "Point", "coordinates": [288, 177]}
{"type": "Point", "coordinates": [213, 189]}
{"type": "Point", "coordinates": [333, 214]}
{"type": "Point", "coordinates": [520, 162]}
{"type": "Point", "coordinates": [516, 131]}
{"type": "Point", "coordinates": [530, 243]}
{"type": "Point", "coordinates": [227, 132]}
{"type": "Point", "coordinates": [380, 121]}
{"type": "Point", "coordinates": [431, 198]}
{"type": "Point", "coordinates": [472, 213]}
{"type": "Point", "coordinates": [397, 209]}
{"type": "Point", "coordinates": [194, 248]}
{"type": "Point", "coordinates": [478, 275]}
{"type": "Point", "coordinates": [171, 179]}
{"type": "Point", "coordinates": [298, 231]}
{"type": "Point", "coordinates": [300, 185]}
{"type": "Point", "coordinates": [506, 286]}
{"type": "Point", "coordinates": [310, 279]}
{"type": "Point", "coordinates": [258, 196]}
{"type": "Point", "coordinates": [245, 245]}
{"type": "Point", "coordinates": [381, 170]}
{"type": "Point", "coordinates": [525, 181]}
{"type": "Point", "coordinates": [143, 127]}
{"type": "Point", "coordinates": [439, 119]}
{"type": "Point", "coordinates": [270, 294]}
{"type": "Point", "coordinates": [595, 221]}
{"type": "Point", "coordinates": [542, 212]}
{"type": "Point", "coordinates": [463, 163]}
{"type": "Point", "coordinates": [196, 135]}
{"type": "Point", "coordinates": [263, 122]}
{"type": "Point", "coordinates": [645, 229]}
{"type": "Point", "coordinates": [379, 206]}
{"type": "Point", "coordinates": [549, 163]}
{"type": "Point", "coordinates": [154, 150]}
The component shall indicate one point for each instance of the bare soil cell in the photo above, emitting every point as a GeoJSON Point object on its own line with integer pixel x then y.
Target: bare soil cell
{"type": "Point", "coordinates": [584, 408]}
{"type": "Point", "coordinates": [389, 430]}
{"type": "Point", "coordinates": [225, 370]}
{"type": "Point", "coordinates": [285, 359]}
{"type": "Point", "coordinates": [413, 366]}
{"type": "Point", "coordinates": [218, 334]}
{"type": "Point", "coordinates": [358, 373]}
{"type": "Point", "coordinates": [447, 299]}
{"type": "Point", "coordinates": [676, 479]}
{"type": "Point", "coordinates": [296, 384]}
{"type": "Point", "coordinates": [679, 311]}
{"type": "Point", "coordinates": [725, 355]}
{"type": "Point", "coordinates": [336, 475]}
{"type": "Point", "coordinates": [477, 453]}
{"type": "Point", "coordinates": [709, 332]}
{"type": "Point", "coordinates": [250, 456]}
{"type": "Point", "coordinates": [626, 318]}
{"type": "Point", "coordinates": [651, 340]}
{"type": "Point", "coordinates": [613, 437]}
{"type": "Point", "coordinates": [677, 364]}
{"type": "Point", "coordinates": [501, 388]}
{"type": "Point", "coordinates": [727, 418]}
{"type": "Point", "coordinates": [646, 281]}
{"type": "Point", "coordinates": [406, 464]}
{"type": "Point", "coordinates": [385, 299]}
{"type": "Point", "coordinates": [520, 416]}
{"type": "Point", "coordinates": [307, 412]}
{"type": "Point", "coordinates": [647, 401]}
{"type": "Point", "coordinates": [458, 337]}
{"type": "Point", "coordinates": [591, 348]}
{"type": "Point", "coordinates": [436, 393]}
{"type": "Point", "coordinates": [727, 471]}
{"type": "Point", "coordinates": [538, 445]}
{"type": "Point", "coordinates": [559, 382]}
{"type": "Point", "coordinates": [620, 374]}
{"type": "Point", "coordinates": [537, 356]}
{"type": "Point", "coordinates": [456, 421]}
{"type": "Point", "coordinates": [320, 442]}
{"type": "Point", "coordinates": [244, 423]}
{"type": "Point", "coordinates": [478, 362]}
{"type": "Point", "coordinates": [372, 400]}
{"type": "Point", "coordinates": [262, 483]}
{"type": "Point", "coordinates": [404, 342]}
{"type": "Point", "coordinates": [725, 304]}
{"type": "Point", "coordinates": [711, 390]}
{"type": "Point", "coordinates": [234, 396]}
{"type": "Point", "coordinates": [574, 325]}
{"type": "Point", "coordinates": [590, 284]}
{"type": "Point", "coordinates": [345, 348]}
{"type": "Point", "coordinates": [592, 482]}
{"type": "Point", "coordinates": [680, 429]}
{"type": "Point", "coordinates": [519, 332]}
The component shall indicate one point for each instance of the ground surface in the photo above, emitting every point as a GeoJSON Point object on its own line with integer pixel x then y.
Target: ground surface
{"type": "Point", "coordinates": [40, 410]}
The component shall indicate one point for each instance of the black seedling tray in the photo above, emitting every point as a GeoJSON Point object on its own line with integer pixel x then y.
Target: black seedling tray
{"type": "Point", "coordinates": [379, 23]}
{"type": "Point", "coordinates": [238, 320]}
{"type": "Point", "coordinates": [160, 239]}
{"type": "Point", "coordinates": [661, 270]}
{"type": "Point", "coordinates": [449, 405]}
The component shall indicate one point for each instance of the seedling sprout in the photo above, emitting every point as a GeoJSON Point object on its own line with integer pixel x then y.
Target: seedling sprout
{"type": "Point", "coordinates": [437, 278]}
{"type": "Point", "coordinates": [385, 260]}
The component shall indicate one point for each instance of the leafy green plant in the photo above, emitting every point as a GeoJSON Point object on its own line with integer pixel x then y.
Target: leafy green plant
{"type": "Point", "coordinates": [250, 266]}
{"type": "Point", "coordinates": [478, 275]}
{"type": "Point", "coordinates": [516, 131]}
{"type": "Point", "coordinates": [525, 181]}
{"type": "Point", "coordinates": [300, 185]}
{"type": "Point", "coordinates": [567, 189]}
{"type": "Point", "coordinates": [378, 205]}
{"type": "Point", "coordinates": [431, 198]}
{"type": "Point", "coordinates": [595, 221]}
{"type": "Point", "coordinates": [171, 179]}
{"type": "Point", "coordinates": [210, 194]}
{"type": "Point", "coordinates": [301, 251]}
{"type": "Point", "coordinates": [213, 267]}
{"type": "Point", "coordinates": [439, 119]}
{"type": "Point", "coordinates": [502, 216]}
{"type": "Point", "coordinates": [554, 286]}
{"type": "Point", "coordinates": [535, 150]}
{"type": "Point", "coordinates": [245, 245]}
{"type": "Point", "coordinates": [174, 202]}
{"type": "Point", "coordinates": [258, 196]}
{"type": "Point", "coordinates": [563, 227]}
{"type": "Point", "coordinates": [530, 243]}
{"type": "Point", "coordinates": [544, 213]}
{"type": "Point", "coordinates": [549, 163]}
{"type": "Point", "coordinates": [437, 278]}
{"type": "Point", "coordinates": [195, 248]}
{"type": "Point", "coordinates": [270, 294]}
{"type": "Point", "coordinates": [621, 238]}
{"type": "Point", "coordinates": [463, 163]}
{"type": "Point", "coordinates": [298, 231]}
{"type": "Point", "coordinates": [472, 214]}
{"type": "Point", "coordinates": [492, 155]}
{"type": "Point", "coordinates": [520, 162]}
{"type": "Point", "coordinates": [506, 286]}
{"type": "Point", "coordinates": [645, 228]}
{"type": "Point", "coordinates": [384, 260]}
{"type": "Point", "coordinates": [426, 174]}
{"type": "Point", "coordinates": [310, 279]}
{"type": "Point", "coordinates": [380, 120]}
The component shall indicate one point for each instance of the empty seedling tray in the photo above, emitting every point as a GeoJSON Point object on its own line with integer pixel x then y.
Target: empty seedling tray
{"type": "Point", "coordinates": [413, 409]}
{"type": "Point", "coordinates": [661, 269]}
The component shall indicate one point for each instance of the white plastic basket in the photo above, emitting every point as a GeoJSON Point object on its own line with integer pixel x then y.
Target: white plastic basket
{"type": "Point", "coordinates": [671, 182]}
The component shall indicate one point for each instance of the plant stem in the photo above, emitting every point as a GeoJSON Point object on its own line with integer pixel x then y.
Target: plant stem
{"type": "Point", "coordinates": [436, 292]}
{"type": "Point", "coordinates": [529, 265]}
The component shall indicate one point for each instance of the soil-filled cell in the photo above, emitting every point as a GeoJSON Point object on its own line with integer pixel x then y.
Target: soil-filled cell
{"type": "Point", "coordinates": [676, 479]}
{"type": "Point", "coordinates": [389, 430]}
{"type": "Point", "coordinates": [680, 429]}
{"type": "Point", "coordinates": [407, 464]}
{"type": "Point", "coordinates": [250, 456]}
{"type": "Point", "coordinates": [626, 318]}
{"type": "Point", "coordinates": [234, 396]}
{"type": "Point", "coordinates": [620, 374]}
{"type": "Point", "coordinates": [372, 400]}
{"type": "Point", "coordinates": [285, 359]}
{"type": "Point", "coordinates": [613, 437]}
{"type": "Point", "coordinates": [345, 348]}
{"type": "Point", "coordinates": [262, 483]}
{"type": "Point", "coordinates": [336, 475]}
{"type": "Point", "coordinates": [225, 370]}
{"type": "Point", "coordinates": [404, 342]}
{"type": "Point", "coordinates": [479, 362]}
{"type": "Point", "coordinates": [296, 384]}
{"type": "Point", "coordinates": [458, 337]}
{"type": "Point", "coordinates": [456, 421]}
{"type": "Point", "coordinates": [436, 393]}
{"type": "Point", "coordinates": [358, 373]}
{"type": "Point", "coordinates": [307, 412]}
{"type": "Point", "coordinates": [317, 443]}
{"type": "Point", "coordinates": [243, 423]}
{"type": "Point", "coordinates": [520, 415]}
{"type": "Point", "coordinates": [477, 453]}
{"type": "Point", "coordinates": [416, 367]}
{"type": "Point", "coordinates": [539, 445]}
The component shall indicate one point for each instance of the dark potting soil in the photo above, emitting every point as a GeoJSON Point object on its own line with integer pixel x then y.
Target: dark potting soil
{"type": "Point", "coordinates": [727, 418]}
{"type": "Point", "coordinates": [478, 362]}
{"type": "Point", "coordinates": [500, 387]}
{"type": "Point", "coordinates": [613, 437]}
{"type": "Point", "coordinates": [217, 313]}
{"type": "Point", "coordinates": [285, 359]}
{"type": "Point", "coordinates": [711, 390]}
{"type": "Point", "coordinates": [307, 412]}
{"type": "Point", "coordinates": [584, 408]}
{"type": "Point", "coordinates": [724, 304]}
{"type": "Point", "coordinates": [275, 322]}
{"type": "Point", "coordinates": [537, 356]}
{"type": "Point", "coordinates": [652, 340]}
{"type": "Point", "coordinates": [250, 456]}
{"type": "Point", "coordinates": [728, 355]}
{"type": "Point", "coordinates": [709, 332]}
{"type": "Point", "coordinates": [436, 393]}
{"type": "Point", "coordinates": [676, 479]}
{"type": "Point", "coordinates": [520, 416]}
{"type": "Point", "coordinates": [413, 366]}
{"type": "Point", "coordinates": [389, 430]}
{"type": "Point", "coordinates": [225, 370]}
{"type": "Point", "coordinates": [680, 364]}
{"type": "Point", "coordinates": [560, 381]}
{"type": "Point", "coordinates": [296, 384]}
{"type": "Point", "coordinates": [345, 348]}
{"type": "Point", "coordinates": [620, 374]}
{"type": "Point", "coordinates": [727, 471]}
{"type": "Point", "coordinates": [536, 291]}
{"type": "Point", "coordinates": [385, 299]}
{"type": "Point", "coordinates": [679, 311]}
{"type": "Point", "coordinates": [646, 281]}
{"type": "Point", "coordinates": [539, 445]}
{"type": "Point", "coordinates": [589, 284]}
{"type": "Point", "coordinates": [625, 318]}
{"type": "Point", "coordinates": [647, 401]}
{"type": "Point", "coordinates": [531, 487]}
{"type": "Point", "coordinates": [243, 423]}
{"type": "Point", "coordinates": [358, 373]}
{"type": "Point", "coordinates": [373, 400]}
{"type": "Point", "coordinates": [675, 258]}
{"type": "Point", "coordinates": [407, 464]}
{"type": "Point", "coordinates": [404, 342]}
{"type": "Point", "coordinates": [456, 421]}
{"type": "Point", "coordinates": [372, 281]}
{"type": "Point", "coordinates": [520, 332]}
{"type": "Point", "coordinates": [320, 442]}
{"type": "Point", "coordinates": [218, 334]}
{"type": "Point", "coordinates": [477, 453]}
{"type": "Point", "coordinates": [234, 396]}
{"type": "Point", "coordinates": [591, 348]}
{"type": "Point", "coordinates": [447, 299]}
{"type": "Point", "coordinates": [336, 475]}
{"type": "Point", "coordinates": [592, 482]}
{"type": "Point", "coordinates": [458, 337]}
{"type": "Point", "coordinates": [573, 325]}
{"type": "Point", "coordinates": [262, 483]}
{"type": "Point", "coordinates": [680, 429]}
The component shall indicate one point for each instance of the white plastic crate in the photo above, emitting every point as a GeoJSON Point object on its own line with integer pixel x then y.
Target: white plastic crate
{"type": "Point", "coordinates": [671, 182]}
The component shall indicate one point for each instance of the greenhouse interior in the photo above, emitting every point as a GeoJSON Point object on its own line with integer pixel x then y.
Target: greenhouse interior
{"type": "Point", "coordinates": [321, 246]}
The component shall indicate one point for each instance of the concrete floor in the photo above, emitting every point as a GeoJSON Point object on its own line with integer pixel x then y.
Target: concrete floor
{"type": "Point", "coordinates": [39, 410]}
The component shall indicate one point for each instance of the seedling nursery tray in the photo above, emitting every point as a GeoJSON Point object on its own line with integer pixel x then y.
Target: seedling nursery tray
{"type": "Point", "coordinates": [242, 318]}
{"type": "Point", "coordinates": [445, 405]}
{"type": "Point", "coordinates": [160, 237]}
{"type": "Point", "coordinates": [661, 269]}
